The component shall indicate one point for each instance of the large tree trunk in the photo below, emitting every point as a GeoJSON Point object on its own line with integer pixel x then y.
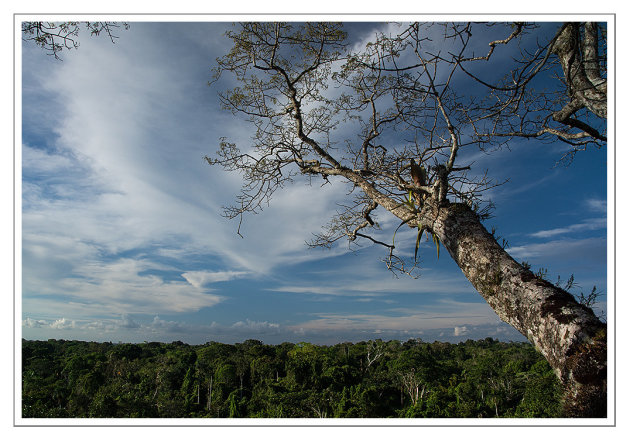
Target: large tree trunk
{"type": "Point", "coordinates": [568, 334]}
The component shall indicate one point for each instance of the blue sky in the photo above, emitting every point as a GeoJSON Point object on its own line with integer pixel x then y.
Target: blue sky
{"type": "Point", "coordinates": [123, 238]}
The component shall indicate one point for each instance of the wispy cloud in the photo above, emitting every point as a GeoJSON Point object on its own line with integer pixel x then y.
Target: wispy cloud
{"type": "Point", "coordinates": [588, 225]}
{"type": "Point", "coordinates": [39, 162]}
{"type": "Point", "coordinates": [374, 281]}
{"type": "Point", "coordinates": [199, 279]}
{"type": "Point", "coordinates": [597, 205]}
{"type": "Point", "coordinates": [143, 179]}
{"type": "Point", "coordinates": [442, 315]}
{"type": "Point", "coordinates": [590, 248]}
{"type": "Point", "coordinates": [124, 173]}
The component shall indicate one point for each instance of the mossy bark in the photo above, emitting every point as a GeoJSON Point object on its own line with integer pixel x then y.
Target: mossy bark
{"type": "Point", "coordinates": [567, 333]}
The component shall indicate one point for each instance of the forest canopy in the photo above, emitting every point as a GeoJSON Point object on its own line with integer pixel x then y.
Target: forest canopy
{"type": "Point", "coordinates": [372, 379]}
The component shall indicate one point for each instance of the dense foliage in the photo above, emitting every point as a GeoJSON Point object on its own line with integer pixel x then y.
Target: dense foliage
{"type": "Point", "coordinates": [374, 379]}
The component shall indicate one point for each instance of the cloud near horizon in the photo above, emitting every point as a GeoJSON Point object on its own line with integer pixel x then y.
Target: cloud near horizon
{"type": "Point", "coordinates": [157, 329]}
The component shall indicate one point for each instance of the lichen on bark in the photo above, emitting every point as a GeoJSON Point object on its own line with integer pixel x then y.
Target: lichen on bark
{"type": "Point", "coordinates": [567, 333]}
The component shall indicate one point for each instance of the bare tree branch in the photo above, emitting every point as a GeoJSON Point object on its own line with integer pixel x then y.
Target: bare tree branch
{"type": "Point", "coordinates": [54, 37]}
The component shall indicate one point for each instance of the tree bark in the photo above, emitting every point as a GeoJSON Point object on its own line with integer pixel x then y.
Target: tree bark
{"type": "Point", "coordinates": [568, 334]}
{"type": "Point", "coordinates": [585, 86]}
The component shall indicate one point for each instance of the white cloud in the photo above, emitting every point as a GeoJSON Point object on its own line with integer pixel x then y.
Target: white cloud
{"type": "Point", "coordinates": [125, 284]}
{"type": "Point", "coordinates": [261, 328]}
{"type": "Point", "coordinates": [63, 324]}
{"type": "Point", "coordinates": [199, 279]}
{"type": "Point", "coordinates": [460, 330]}
{"type": "Point", "coordinates": [140, 131]}
{"type": "Point", "coordinates": [597, 205]}
{"type": "Point", "coordinates": [39, 161]}
{"type": "Point", "coordinates": [100, 325]}
{"type": "Point", "coordinates": [309, 289]}
{"type": "Point", "coordinates": [164, 325]}
{"type": "Point", "coordinates": [30, 323]}
{"type": "Point", "coordinates": [588, 225]}
{"type": "Point", "coordinates": [593, 248]}
{"type": "Point", "coordinates": [128, 322]}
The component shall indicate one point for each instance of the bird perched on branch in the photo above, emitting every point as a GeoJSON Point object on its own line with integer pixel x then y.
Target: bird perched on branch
{"type": "Point", "coordinates": [419, 176]}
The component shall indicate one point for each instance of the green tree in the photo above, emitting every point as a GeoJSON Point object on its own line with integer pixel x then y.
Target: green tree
{"type": "Point", "coordinates": [233, 408]}
{"type": "Point", "coordinates": [304, 366]}
{"type": "Point", "coordinates": [103, 405]}
{"type": "Point", "coordinates": [542, 395]}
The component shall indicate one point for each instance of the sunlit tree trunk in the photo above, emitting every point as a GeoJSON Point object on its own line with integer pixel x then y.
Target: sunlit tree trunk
{"type": "Point", "coordinates": [567, 333]}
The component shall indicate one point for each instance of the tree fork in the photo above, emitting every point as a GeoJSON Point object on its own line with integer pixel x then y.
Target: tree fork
{"type": "Point", "coordinates": [584, 85]}
{"type": "Point", "coordinates": [568, 334]}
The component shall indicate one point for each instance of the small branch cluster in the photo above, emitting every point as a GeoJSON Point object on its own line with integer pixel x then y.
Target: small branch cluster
{"type": "Point", "coordinates": [55, 37]}
{"type": "Point", "coordinates": [521, 105]}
